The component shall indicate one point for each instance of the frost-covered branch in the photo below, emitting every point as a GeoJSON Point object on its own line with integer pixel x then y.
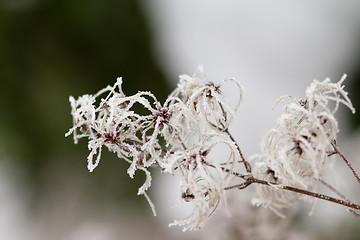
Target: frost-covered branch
{"type": "Point", "coordinates": [184, 133]}
{"type": "Point", "coordinates": [337, 151]}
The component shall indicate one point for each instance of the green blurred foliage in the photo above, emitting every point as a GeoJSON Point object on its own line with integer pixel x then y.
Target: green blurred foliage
{"type": "Point", "coordinates": [51, 49]}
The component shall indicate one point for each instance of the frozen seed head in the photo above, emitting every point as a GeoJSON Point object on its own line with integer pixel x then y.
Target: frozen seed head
{"type": "Point", "coordinates": [206, 99]}
{"type": "Point", "coordinates": [177, 135]}
{"type": "Point", "coordinates": [203, 180]}
{"type": "Point", "coordinates": [295, 152]}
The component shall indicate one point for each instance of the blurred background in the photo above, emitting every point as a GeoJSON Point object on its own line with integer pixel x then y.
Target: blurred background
{"type": "Point", "coordinates": [50, 49]}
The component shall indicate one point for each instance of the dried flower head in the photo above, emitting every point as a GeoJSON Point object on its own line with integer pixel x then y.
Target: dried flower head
{"type": "Point", "coordinates": [203, 180]}
{"type": "Point", "coordinates": [206, 99]}
{"type": "Point", "coordinates": [294, 153]}
{"type": "Point", "coordinates": [170, 136]}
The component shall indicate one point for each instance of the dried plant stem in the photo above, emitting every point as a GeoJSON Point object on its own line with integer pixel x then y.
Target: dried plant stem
{"type": "Point", "coordinates": [250, 179]}
{"type": "Point", "coordinates": [226, 130]}
{"type": "Point", "coordinates": [336, 149]}
{"type": "Point", "coordinates": [334, 190]}
{"type": "Point", "coordinates": [340, 195]}
{"type": "Point", "coordinates": [246, 163]}
{"type": "Point", "coordinates": [322, 196]}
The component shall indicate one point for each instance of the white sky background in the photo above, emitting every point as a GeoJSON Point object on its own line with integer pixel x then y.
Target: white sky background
{"type": "Point", "coordinates": [274, 48]}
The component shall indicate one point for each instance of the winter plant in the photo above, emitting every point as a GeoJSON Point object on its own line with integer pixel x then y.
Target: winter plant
{"type": "Point", "coordinates": [183, 133]}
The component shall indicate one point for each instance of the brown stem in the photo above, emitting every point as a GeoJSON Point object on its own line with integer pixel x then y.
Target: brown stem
{"type": "Point", "coordinates": [226, 130]}
{"type": "Point", "coordinates": [246, 163]}
{"type": "Point", "coordinates": [345, 160]}
{"type": "Point", "coordinates": [249, 180]}
{"type": "Point", "coordinates": [239, 186]}
{"type": "Point", "coordinates": [334, 190]}
{"type": "Point", "coordinates": [323, 197]}
{"type": "Point", "coordinates": [339, 194]}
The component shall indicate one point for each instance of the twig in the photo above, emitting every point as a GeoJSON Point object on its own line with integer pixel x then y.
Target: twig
{"type": "Point", "coordinates": [339, 194]}
{"type": "Point", "coordinates": [250, 179]}
{"type": "Point", "coordinates": [226, 130]}
{"type": "Point", "coordinates": [239, 186]}
{"type": "Point", "coordinates": [246, 163]}
{"type": "Point", "coordinates": [312, 194]}
{"type": "Point", "coordinates": [333, 143]}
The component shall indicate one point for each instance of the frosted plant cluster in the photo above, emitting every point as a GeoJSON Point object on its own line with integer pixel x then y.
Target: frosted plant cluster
{"type": "Point", "coordinates": [295, 152]}
{"type": "Point", "coordinates": [183, 133]}
{"type": "Point", "coordinates": [171, 136]}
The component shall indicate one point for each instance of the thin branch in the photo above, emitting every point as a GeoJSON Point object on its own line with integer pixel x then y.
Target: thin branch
{"type": "Point", "coordinates": [333, 143]}
{"type": "Point", "coordinates": [311, 194]}
{"type": "Point", "coordinates": [333, 189]}
{"type": "Point", "coordinates": [340, 195]}
{"type": "Point", "coordinates": [246, 163]}
{"type": "Point", "coordinates": [251, 179]}
{"type": "Point", "coordinates": [226, 130]}
{"type": "Point", "coordinates": [243, 176]}
{"type": "Point", "coordinates": [239, 186]}
{"type": "Point", "coordinates": [323, 197]}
